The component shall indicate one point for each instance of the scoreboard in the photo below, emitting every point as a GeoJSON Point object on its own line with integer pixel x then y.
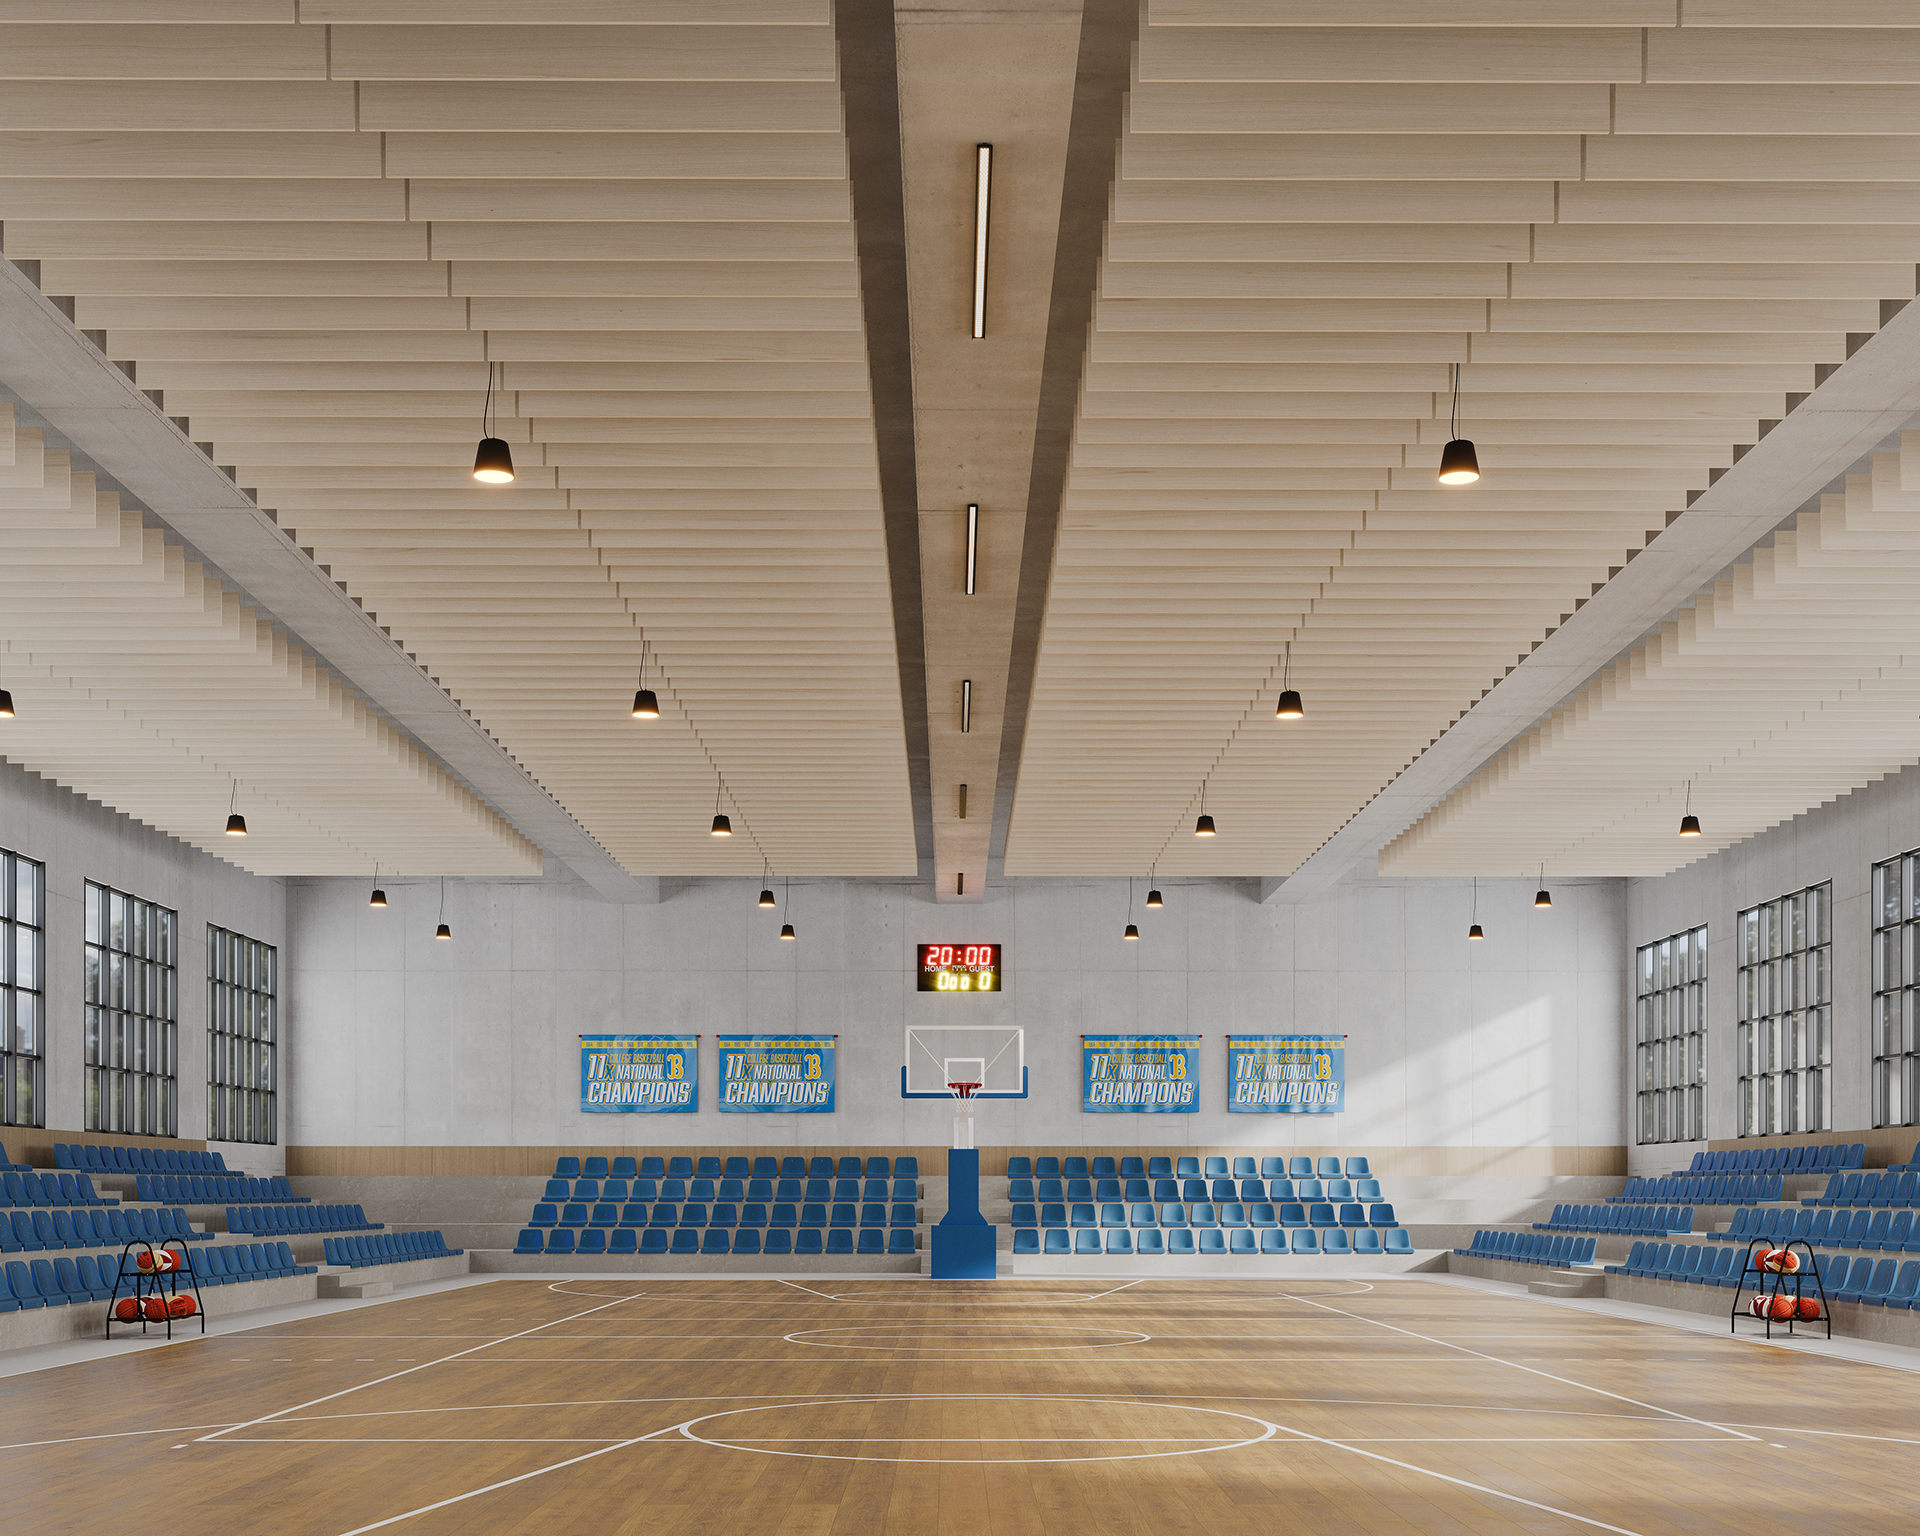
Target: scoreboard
{"type": "Point", "coordinates": [959, 967]}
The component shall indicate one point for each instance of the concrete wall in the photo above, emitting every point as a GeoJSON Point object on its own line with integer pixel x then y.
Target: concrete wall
{"type": "Point", "coordinates": [462, 1057]}
{"type": "Point", "coordinates": [80, 840]}
{"type": "Point", "coordinates": [1841, 842]}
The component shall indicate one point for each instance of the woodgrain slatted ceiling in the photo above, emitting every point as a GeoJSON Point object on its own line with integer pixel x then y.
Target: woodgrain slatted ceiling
{"type": "Point", "coordinates": [1788, 684]}
{"type": "Point", "coordinates": [1639, 240]}
{"type": "Point", "coordinates": [313, 237]}
{"type": "Point", "coordinates": [141, 682]}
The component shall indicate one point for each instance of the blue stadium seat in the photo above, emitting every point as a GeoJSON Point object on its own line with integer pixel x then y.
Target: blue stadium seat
{"type": "Point", "coordinates": [594, 1168]}
{"type": "Point", "coordinates": [1305, 1240]}
{"type": "Point", "coordinates": [1082, 1215]}
{"type": "Point", "coordinates": [593, 1240]}
{"type": "Point", "coordinates": [1102, 1168]}
{"type": "Point", "coordinates": [1202, 1215]}
{"type": "Point", "coordinates": [1086, 1242]}
{"type": "Point", "coordinates": [622, 1240]}
{"type": "Point", "coordinates": [560, 1240]}
{"type": "Point", "coordinates": [1233, 1214]}
{"type": "Point", "coordinates": [1073, 1168]}
{"type": "Point", "coordinates": [1026, 1239]}
{"type": "Point", "coordinates": [840, 1240]}
{"type": "Point", "coordinates": [1335, 1241]}
{"type": "Point", "coordinates": [1159, 1167]}
{"type": "Point", "coordinates": [1132, 1168]}
{"type": "Point", "coordinates": [1058, 1242]}
{"type": "Point", "coordinates": [566, 1168]}
{"type": "Point", "coordinates": [1339, 1189]}
{"type": "Point", "coordinates": [1120, 1242]}
{"type": "Point", "coordinates": [1366, 1240]}
{"type": "Point", "coordinates": [1216, 1168]}
{"type": "Point", "coordinates": [1186, 1168]}
{"type": "Point", "coordinates": [1212, 1241]}
{"type": "Point", "coordinates": [653, 1240]}
{"type": "Point", "coordinates": [1352, 1215]}
{"type": "Point", "coordinates": [1019, 1167]}
{"type": "Point", "coordinates": [1053, 1214]}
{"type": "Point", "coordinates": [1149, 1241]}
{"type": "Point", "coordinates": [1180, 1241]}
{"type": "Point", "coordinates": [779, 1240]}
{"type": "Point", "coordinates": [1141, 1215]}
{"type": "Point", "coordinates": [685, 1240]}
{"type": "Point", "coordinates": [1242, 1240]}
{"type": "Point", "coordinates": [716, 1240]}
{"type": "Point", "coordinates": [900, 1241]}
{"type": "Point", "coordinates": [1357, 1168]}
{"type": "Point", "coordinates": [1328, 1168]}
{"type": "Point", "coordinates": [1382, 1216]}
{"type": "Point", "coordinates": [1320, 1214]}
{"type": "Point", "coordinates": [1261, 1214]}
{"type": "Point", "coordinates": [725, 1215]}
{"type": "Point", "coordinates": [529, 1241]}
{"type": "Point", "coordinates": [1173, 1214]}
{"type": "Point", "coordinates": [1398, 1241]}
{"type": "Point", "coordinates": [1300, 1168]}
{"type": "Point", "coordinates": [623, 1168]}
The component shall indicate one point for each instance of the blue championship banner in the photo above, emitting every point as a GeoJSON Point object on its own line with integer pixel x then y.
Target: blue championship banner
{"type": "Point", "coordinates": [1286, 1074]}
{"type": "Point", "coordinates": [1138, 1074]}
{"type": "Point", "coordinates": [639, 1074]}
{"type": "Point", "coordinates": [776, 1074]}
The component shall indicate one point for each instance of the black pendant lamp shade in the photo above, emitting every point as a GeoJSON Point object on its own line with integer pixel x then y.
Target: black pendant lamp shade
{"type": "Point", "coordinates": [1475, 933]}
{"type": "Point", "coordinates": [1689, 823]}
{"type": "Point", "coordinates": [1204, 826]}
{"type": "Point", "coordinates": [1541, 899]}
{"type": "Point", "coordinates": [786, 930]}
{"type": "Point", "coordinates": [766, 899]}
{"type": "Point", "coordinates": [236, 823]}
{"type": "Point", "coordinates": [1459, 464]}
{"type": "Point", "coordinates": [1290, 707]}
{"type": "Point", "coordinates": [1154, 903]}
{"type": "Point", "coordinates": [645, 705]}
{"type": "Point", "coordinates": [493, 462]}
{"type": "Point", "coordinates": [6, 705]}
{"type": "Point", "coordinates": [443, 932]}
{"type": "Point", "coordinates": [1133, 931]}
{"type": "Point", "coordinates": [722, 827]}
{"type": "Point", "coordinates": [378, 898]}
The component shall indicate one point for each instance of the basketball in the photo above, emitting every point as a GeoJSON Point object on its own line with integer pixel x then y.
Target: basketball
{"type": "Point", "coordinates": [156, 1309]}
{"type": "Point", "coordinates": [127, 1310]}
{"type": "Point", "coordinates": [1784, 1306]}
{"type": "Point", "coordinates": [182, 1306]}
{"type": "Point", "coordinates": [158, 1261]}
{"type": "Point", "coordinates": [1780, 1261]}
{"type": "Point", "coordinates": [1758, 1306]}
{"type": "Point", "coordinates": [1809, 1308]}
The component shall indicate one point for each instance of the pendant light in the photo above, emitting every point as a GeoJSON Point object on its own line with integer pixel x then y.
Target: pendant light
{"type": "Point", "coordinates": [1689, 823]}
{"type": "Point", "coordinates": [721, 827]}
{"type": "Point", "coordinates": [1474, 931]}
{"type": "Point", "coordinates": [493, 461]}
{"type": "Point", "coordinates": [1204, 826]}
{"type": "Point", "coordinates": [1132, 935]}
{"type": "Point", "coordinates": [645, 705]}
{"type": "Point", "coordinates": [236, 823]}
{"type": "Point", "coordinates": [6, 705]}
{"type": "Point", "coordinates": [1154, 903]}
{"type": "Point", "coordinates": [1290, 707]}
{"type": "Point", "coordinates": [1541, 899]}
{"type": "Point", "coordinates": [766, 872]}
{"type": "Point", "coordinates": [443, 931]}
{"type": "Point", "coordinates": [1459, 465]}
{"type": "Point", "coordinates": [786, 929]}
{"type": "Point", "coordinates": [379, 897]}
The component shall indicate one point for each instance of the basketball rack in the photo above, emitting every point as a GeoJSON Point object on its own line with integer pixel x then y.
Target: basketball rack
{"type": "Point", "coordinates": [154, 1284]}
{"type": "Point", "coordinates": [1780, 1278]}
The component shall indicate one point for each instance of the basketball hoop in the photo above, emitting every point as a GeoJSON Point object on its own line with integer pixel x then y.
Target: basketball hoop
{"type": "Point", "coordinates": [962, 1112]}
{"type": "Point", "coordinates": [963, 1090]}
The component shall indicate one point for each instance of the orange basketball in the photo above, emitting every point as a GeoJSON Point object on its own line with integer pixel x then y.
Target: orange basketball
{"type": "Point", "coordinates": [182, 1306]}
{"type": "Point", "coordinates": [127, 1310]}
{"type": "Point", "coordinates": [157, 1261]}
{"type": "Point", "coordinates": [155, 1309]}
{"type": "Point", "coordinates": [1780, 1261]}
{"type": "Point", "coordinates": [1784, 1306]}
{"type": "Point", "coordinates": [1809, 1307]}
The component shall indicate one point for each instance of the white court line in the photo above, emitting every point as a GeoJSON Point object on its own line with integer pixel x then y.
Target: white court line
{"type": "Point", "coordinates": [396, 1375]}
{"type": "Point", "coordinates": [1618, 1397]}
{"type": "Point", "coordinates": [1836, 1434]}
{"type": "Point", "coordinates": [124, 1434]}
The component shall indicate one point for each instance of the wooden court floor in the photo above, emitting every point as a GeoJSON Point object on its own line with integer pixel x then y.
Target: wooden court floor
{"type": "Point", "coordinates": [852, 1406]}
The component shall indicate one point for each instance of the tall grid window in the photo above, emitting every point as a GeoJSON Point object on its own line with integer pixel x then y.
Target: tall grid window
{"type": "Point", "coordinates": [1896, 990]}
{"type": "Point", "coordinates": [242, 1033]}
{"type": "Point", "coordinates": [1785, 1043]}
{"type": "Point", "coordinates": [1670, 1036]}
{"type": "Point", "coordinates": [23, 990]}
{"type": "Point", "coordinates": [133, 1009]}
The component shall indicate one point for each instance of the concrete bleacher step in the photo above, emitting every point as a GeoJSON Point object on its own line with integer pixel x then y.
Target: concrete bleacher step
{"type": "Point", "coordinates": [1566, 1283]}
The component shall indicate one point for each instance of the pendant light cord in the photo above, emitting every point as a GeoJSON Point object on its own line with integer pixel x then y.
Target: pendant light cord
{"type": "Point", "coordinates": [1476, 901]}
{"type": "Point", "coordinates": [1286, 671]}
{"type": "Point", "coordinates": [1453, 431]}
{"type": "Point", "coordinates": [642, 682]}
{"type": "Point", "coordinates": [443, 898]}
{"type": "Point", "coordinates": [487, 407]}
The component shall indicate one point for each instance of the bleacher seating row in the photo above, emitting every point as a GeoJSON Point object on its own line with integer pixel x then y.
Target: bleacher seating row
{"type": "Point", "coordinates": [666, 1214]}
{"type": "Point", "coordinates": [719, 1240]}
{"type": "Point", "coordinates": [1912, 1165]}
{"type": "Point", "coordinates": [1263, 1213]}
{"type": "Point", "coordinates": [1868, 1281]}
{"type": "Point", "coordinates": [390, 1248]}
{"type": "Point", "coordinates": [1160, 1191]}
{"type": "Point", "coordinates": [31, 1231]}
{"type": "Point", "coordinates": [736, 1168]}
{"type": "Point", "coordinates": [1782, 1159]}
{"type": "Point", "coordinates": [1880, 1230]}
{"type": "Point", "coordinates": [1530, 1248]}
{"type": "Point", "coordinates": [7, 1165]}
{"type": "Point", "coordinates": [1211, 1240]}
{"type": "Point", "coordinates": [1875, 1189]}
{"type": "Point", "coordinates": [1185, 1168]}
{"type": "Point", "coordinates": [1700, 1189]}
{"type": "Point", "coordinates": [234, 1262]}
{"type": "Point", "coordinates": [30, 1188]}
{"type": "Point", "coordinates": [673, 1188]}
{"type": "Point", "coordinates": [91, 1159]}
{"type": "Point", "coordinates": [1626, 1220]}
{"type": "Point", "coordinates": [265, 1220]}
{"type": "Point", "coordinates": [214, 1189]}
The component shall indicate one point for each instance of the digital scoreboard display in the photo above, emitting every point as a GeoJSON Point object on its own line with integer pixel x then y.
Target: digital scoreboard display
{"type": "Point", "coordinates": [959, 967]}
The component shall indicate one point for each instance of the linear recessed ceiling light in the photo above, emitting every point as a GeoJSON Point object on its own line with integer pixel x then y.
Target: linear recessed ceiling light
{"type": "Point", "coordinates": [1459, 465]}
{"type": "Point", "coordinates": [983, 184]}
{"type": "Point", "coordinates": [973, 544]}
{"type": "Point", "coordinates": [493, 461]}
{"type": "Point", "coordinates": [966, 705]}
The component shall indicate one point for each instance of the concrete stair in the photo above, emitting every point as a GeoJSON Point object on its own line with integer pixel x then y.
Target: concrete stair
{"type": "Point", "coordinates": [1567, 1283]}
